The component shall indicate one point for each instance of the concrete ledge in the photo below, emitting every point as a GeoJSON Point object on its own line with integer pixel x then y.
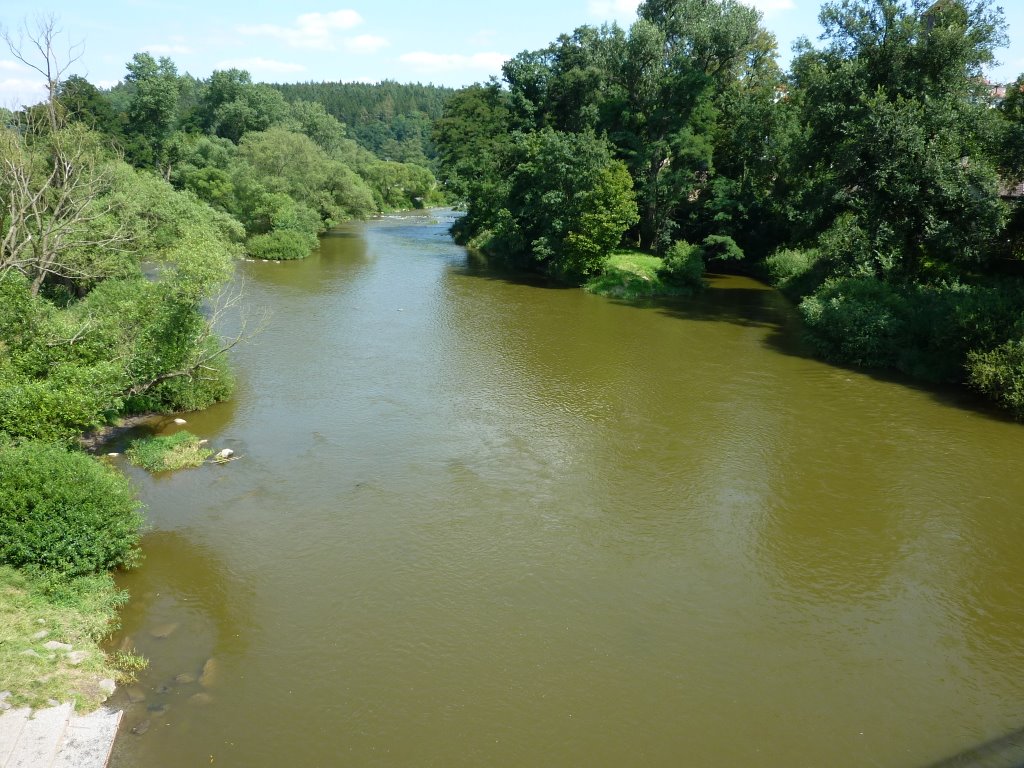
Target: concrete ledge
{"type": "Point", "coordinates": [57, 738]}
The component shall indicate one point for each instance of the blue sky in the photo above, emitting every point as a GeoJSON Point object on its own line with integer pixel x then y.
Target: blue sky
{"type": "Point", "coordinates": [450, 42]}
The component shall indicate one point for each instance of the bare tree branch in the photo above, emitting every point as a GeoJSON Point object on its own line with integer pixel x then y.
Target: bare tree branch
{"type": "Point", "coordinates": [35, 46]}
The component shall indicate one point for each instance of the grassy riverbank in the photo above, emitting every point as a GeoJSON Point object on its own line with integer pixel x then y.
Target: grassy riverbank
{"type": "Point", "coordinates": [37, 613]}
{"type": "Point", "coordinates": [633, 274]}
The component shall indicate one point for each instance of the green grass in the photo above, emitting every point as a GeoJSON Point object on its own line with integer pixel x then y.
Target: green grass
{"type": "Point", "coordinates": [35, 610]}
{"type": "Point", "coordinates": [167, 453]}
{"type": "Point", "coordinates": [630, 274]}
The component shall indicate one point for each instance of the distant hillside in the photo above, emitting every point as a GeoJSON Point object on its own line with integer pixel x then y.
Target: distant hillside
{"type": "Point", "coordinates": [391, 119]}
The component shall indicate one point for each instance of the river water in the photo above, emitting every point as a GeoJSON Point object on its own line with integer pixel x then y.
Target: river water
{"type": "Point", "coordinates": [483, 522]}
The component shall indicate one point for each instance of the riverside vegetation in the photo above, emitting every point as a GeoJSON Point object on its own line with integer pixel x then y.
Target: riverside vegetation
{"type": "Point", "coordinates": [870, 183]}
{"type": "Point", "coordinates": [122, 214]}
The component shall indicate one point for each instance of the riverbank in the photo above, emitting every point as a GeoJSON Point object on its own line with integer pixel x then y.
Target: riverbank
{"type": "Point", "coordinates": [50, 632]}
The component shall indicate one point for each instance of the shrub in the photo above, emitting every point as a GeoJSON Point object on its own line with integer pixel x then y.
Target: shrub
{"type": "Point", "coordinates": [168, 452]}
{"type": "Point", "coordinates": [796, 272]}
{"type": "Point", "coordinates": [65, 512]}
{"type": "Point", "coordinates": [683, 266]}
{"type": "Point", "coordinates": [720, 248]}
{"type": "Point", "coordinates": [856, 320]}
{"type": "Point", "coordinates": [281, 245]}
{"type": "Point", "coordinates": [999, 373]}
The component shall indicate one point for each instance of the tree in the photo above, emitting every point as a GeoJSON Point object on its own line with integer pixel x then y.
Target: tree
{"type": "Point", "coordinates": [152, 109]}
{"type": "Point", "coordinates": [52, 190]}
{"type": "Point", "coordinates": [895, 119]}
{"type": "Point", "coordinates": [568, 205]}
{"type": "Point", "coordinates": [42, 39]}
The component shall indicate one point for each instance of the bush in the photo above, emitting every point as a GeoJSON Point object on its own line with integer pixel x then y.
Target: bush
{"type": "Point", "coordinates": [720, 248]}
{"type": "Point", "coordinates": [683, 266]}
{"type": "Point", "coordinates": [281, 245]}
{"type": "Point", "coordinates": [65, 512]}
{"type": "Point", "coordinates": [168, 452]}
{"type": "Point", "coordinates": [999, 373]}
{"type": "Point", "coordinates": [856, 320]}
{"type": "Point", "coordinates": [795, 272]}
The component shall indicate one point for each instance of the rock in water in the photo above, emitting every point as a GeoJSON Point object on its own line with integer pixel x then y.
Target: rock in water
{"type": "Point", "coordinates": [225, 453]}
{"type": "Point", "coordinates": [163, 630]}
{"type": "Point", "coordinates": [209, 675]}
{"type": "Point", "coordinates": [136, 695]}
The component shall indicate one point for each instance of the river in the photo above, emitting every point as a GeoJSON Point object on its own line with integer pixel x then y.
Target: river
{"type": "Point", "coordinates": [483, 522]}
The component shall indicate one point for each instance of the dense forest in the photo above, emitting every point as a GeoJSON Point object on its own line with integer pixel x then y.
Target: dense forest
{"type": "Point", "coordinates": [869, 183]}
{"type": "Point", "coordinates": [394, 121]}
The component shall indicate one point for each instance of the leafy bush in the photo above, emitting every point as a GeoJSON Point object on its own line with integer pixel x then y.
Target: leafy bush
{"type": "Point", "coordinates": [856, 320]}
{"type": "Point", "coordinates": [932, 332]}
{"type": "Point", "coordinates": [683, 266]}
{"type": "Point", "coordinates": [65, 512]}
{"type": "Point", "coordinates": [281, 245]}
{"type": "Point", "coordinates": [168, 452]}
{"type": "Point", "coordinates": [999, 373]}
{"type": "Point", "coordinates": [720, 248]}
{"type": "Point", "coordinates": [796, 272]}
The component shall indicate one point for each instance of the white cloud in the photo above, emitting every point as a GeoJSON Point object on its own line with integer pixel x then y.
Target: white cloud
{"type": "Point", "coordinates": [365, 44]}
{"type": "Point", "coordinates": [161, 49]}
{"type": "Point", "coordinates": [16, 92]}
{"type": "Point", "coordinates": [10, 66]}
{"type": "Point", "coordinates": [311, 30]}
{"type": "Point", "coordinates": [619, 10]}
{"type": "Point", "coordinates": [451, 62]}
{"type": "Point", "coordinates": [258, 64]}
{"type": "Point", "coordinates": [771, 6]}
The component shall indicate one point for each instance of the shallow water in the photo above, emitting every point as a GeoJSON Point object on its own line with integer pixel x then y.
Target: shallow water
{"type": "Point", "coordinates": [477, 521]}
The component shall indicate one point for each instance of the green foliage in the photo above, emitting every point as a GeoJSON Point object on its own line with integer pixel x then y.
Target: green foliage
{"type": "Point", "coordinates": [567, 203]}
{"type": "Point", "coordinates": [281, 245]}
{"type": "Point", "coordinates": [392, 120]}
{"type": "Point", "coordinates": [683, 266]}
{"type": "Point", "coordinates": [930, 332]}
{"type": "Point", "coordinates": [720, 248]}
{"type": "Point", "coordinates": [856, 320]}
{"type": "Point", "coordinates": [794, 271]}
{"type": "Point", "coordinates": [64, 512]}
{"type": "Point", "coordinates": [629, 275]}
{"type": "Point", "coordinates": [895, 130]}
{"type": "Point", "coordinates": [999, 374]}
{"type": "Point", "coordinates": [168, 452]}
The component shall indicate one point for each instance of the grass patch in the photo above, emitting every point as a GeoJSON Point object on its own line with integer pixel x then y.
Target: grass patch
{"type": "Point", "coordinates": [37, 609]}
{"type": "Point", "coordinates": [168, 452]}
{"type": "Point", "coordinates": [631, 274]}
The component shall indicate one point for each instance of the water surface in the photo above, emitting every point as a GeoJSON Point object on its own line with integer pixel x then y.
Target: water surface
{"type": "Point", "coordinates": [482, 522]}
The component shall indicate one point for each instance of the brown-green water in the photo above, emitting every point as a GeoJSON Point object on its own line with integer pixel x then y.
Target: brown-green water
{"type": "Point", "coordinates": [484, 523]}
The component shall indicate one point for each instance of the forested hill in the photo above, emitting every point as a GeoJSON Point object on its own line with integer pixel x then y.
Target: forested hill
{"type": "Point", "coordinates": [392, 120]}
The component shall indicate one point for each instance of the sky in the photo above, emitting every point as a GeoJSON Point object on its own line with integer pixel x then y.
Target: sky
{"type": "Point", "coordinates": [446, 42]}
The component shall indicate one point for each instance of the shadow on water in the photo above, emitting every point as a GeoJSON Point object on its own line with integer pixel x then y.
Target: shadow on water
{"type": "Point", "coordinates": [746, 302]}
{"type": "Point", "coordinates": [754, 305]}
{"type": "Point", "coordinates": [1005, 752]}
